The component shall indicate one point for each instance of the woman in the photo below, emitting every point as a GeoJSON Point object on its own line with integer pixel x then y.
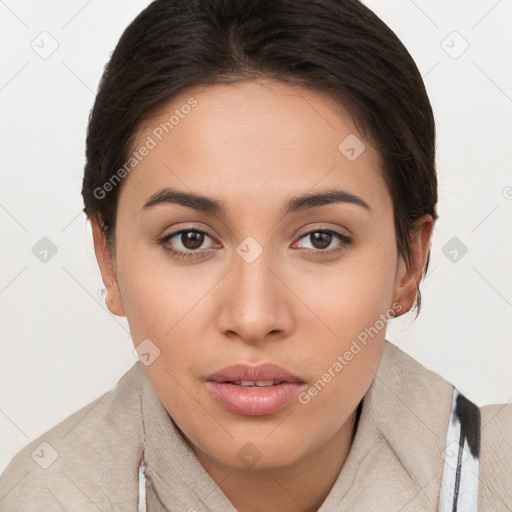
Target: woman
{"type": "Point", "coordinates": [261, 187]}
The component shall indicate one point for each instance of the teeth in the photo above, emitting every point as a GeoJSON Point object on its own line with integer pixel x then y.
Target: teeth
{"type": "Point", "coordinates": [258, 383]}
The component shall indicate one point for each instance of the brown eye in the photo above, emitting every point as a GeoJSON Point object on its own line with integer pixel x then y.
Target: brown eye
{"type": "Point", "coordinates": [324, 241]}
{"type": "Point", "coordinates": [192, 239]}
{"type": "Point", "coordinates": [321, 239]}
{"type": "Point", "coordinates": [187, 243]}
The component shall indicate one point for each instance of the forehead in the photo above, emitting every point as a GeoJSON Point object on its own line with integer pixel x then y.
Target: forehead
{"type": "Point", "coordinates": [252, 141]}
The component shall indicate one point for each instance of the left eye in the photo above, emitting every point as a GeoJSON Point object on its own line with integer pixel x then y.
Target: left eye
{"type": "Point", "coordinates": [322, 239]}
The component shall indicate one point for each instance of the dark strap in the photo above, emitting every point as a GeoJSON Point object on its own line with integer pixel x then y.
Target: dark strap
{"type": "Point", "coordinates": [459, 486]}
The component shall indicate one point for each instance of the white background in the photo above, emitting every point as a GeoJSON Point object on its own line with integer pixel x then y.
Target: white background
{"type": "Point", "coordinates": [60, 348]}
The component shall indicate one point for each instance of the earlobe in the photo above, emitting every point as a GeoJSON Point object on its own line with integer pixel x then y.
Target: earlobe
{"type": "Point", "coordinates": [108, 273]}
{"type": "Point", "coordinates": [408, 276]}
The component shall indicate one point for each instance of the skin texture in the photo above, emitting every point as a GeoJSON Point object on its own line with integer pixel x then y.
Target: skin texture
{"type": "Point", "coordinates": [254, 145]}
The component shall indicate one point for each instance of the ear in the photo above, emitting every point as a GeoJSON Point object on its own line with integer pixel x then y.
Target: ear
{"type": "Point", "coordinates": [408, 277]}
{"type": "Point", "coordinates": [107, 269]}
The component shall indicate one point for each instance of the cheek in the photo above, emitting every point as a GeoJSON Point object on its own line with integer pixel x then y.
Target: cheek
{"type": "Point", "coordinates": [354, 305]}
{"type": "Point", "coordinates": [156, 294]}
{"type": "Point", "coordinates": [351, 295]}
{"type": "Point", "coordinates": [166, 305]}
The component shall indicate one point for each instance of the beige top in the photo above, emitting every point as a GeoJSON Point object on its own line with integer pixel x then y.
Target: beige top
{"type": "Point", "coordinates": [90, 461]}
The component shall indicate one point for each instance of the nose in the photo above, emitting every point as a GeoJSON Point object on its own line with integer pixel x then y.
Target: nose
{"type": "Point", "coordinates": [255, 304]}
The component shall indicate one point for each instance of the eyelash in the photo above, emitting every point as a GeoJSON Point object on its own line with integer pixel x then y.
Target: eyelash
{"type": "Point", "coordinates": [346, 241]}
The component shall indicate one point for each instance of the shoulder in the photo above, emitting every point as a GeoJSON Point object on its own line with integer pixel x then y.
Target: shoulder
{"type": "Point", "coordinates": [495, 419]}
{"type": "Point", "coordinates": [418, 397]}
{"type": "Point", "coordinates": [496, 457]}
{"type": "Point", "coordinates": [86, 458]}
{"type": "Point", "coordinates": [411, 377]}
{"type": "Point", "coordinates": [495, 433]}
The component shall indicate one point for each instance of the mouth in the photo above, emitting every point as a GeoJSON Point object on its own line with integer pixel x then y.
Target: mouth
{"type": "Point", "coordinates": [254, 390]}
{"type": "Point", "coordinates": [245, 374]}
{"type": "Point", "coordinates": [251, 383]}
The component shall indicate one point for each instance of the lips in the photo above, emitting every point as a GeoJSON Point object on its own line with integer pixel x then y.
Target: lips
{"type": "Point", "coordinates": [254, 390]}
{"type": "Point", "coordinates": [260, 373]}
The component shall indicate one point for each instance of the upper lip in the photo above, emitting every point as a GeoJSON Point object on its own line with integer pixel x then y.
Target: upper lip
{"type": "Point", "coordinates": [248, 372]}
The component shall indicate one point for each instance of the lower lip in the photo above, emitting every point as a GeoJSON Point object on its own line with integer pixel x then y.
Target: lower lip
{"type": "Point", "coordinates": [254, 401]}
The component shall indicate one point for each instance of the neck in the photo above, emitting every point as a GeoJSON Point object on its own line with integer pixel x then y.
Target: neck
{"type": "Point", "coordinates": [299, 487]}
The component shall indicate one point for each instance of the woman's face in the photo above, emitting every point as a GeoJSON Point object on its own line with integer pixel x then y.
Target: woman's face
{"type": "Point", "coordinates": [270, 281]}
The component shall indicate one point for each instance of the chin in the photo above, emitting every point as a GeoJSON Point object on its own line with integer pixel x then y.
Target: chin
{"type": "Point", "coordinates": [260, 451]}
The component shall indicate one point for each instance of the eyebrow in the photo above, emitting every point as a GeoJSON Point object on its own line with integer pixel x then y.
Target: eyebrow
{"type": "Point", "coordinates": [209, 205]}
